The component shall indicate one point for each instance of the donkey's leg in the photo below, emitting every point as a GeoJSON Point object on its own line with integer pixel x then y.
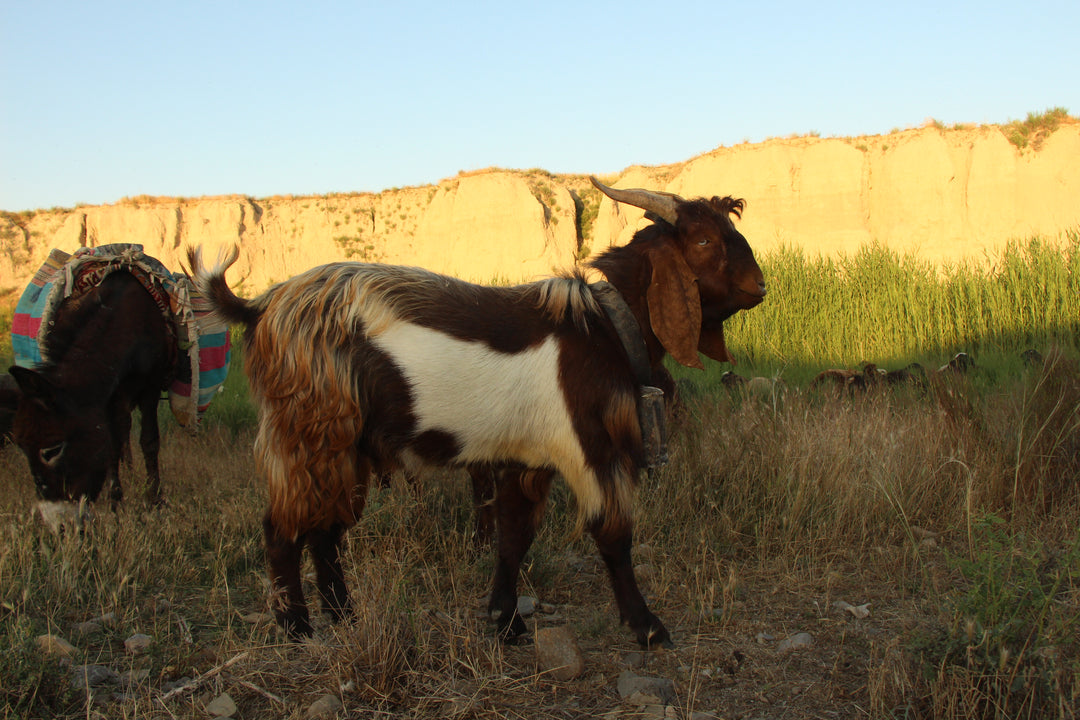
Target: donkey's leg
{"type": "Point", "coordinates": [283, 555]}
{"type": "Point", "coordinates": [120, 424]}
{"type": "Point", "coordinates": [150, 441]}
{"type": "Point", "coordinates": [614, 546]}
{"type": "Point", "coordinates": [325, 546]}
{"type": "Point", "coordinates": [519, 505]}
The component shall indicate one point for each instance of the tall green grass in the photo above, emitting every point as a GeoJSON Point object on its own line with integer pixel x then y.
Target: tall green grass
{"type": "Point", "coordinates": [889, 308]}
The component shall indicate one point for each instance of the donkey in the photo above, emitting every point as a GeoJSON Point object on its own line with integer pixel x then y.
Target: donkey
{"type": "Point", "coordinates": [110, 350]}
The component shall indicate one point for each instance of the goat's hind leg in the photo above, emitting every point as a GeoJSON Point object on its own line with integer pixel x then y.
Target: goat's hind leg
{"type": "Point", "coordinates": [283, 555]}
{"type": "Point", "coordinates": [325, 546]}
{"type": "Point", "coordinates": [519, 505]}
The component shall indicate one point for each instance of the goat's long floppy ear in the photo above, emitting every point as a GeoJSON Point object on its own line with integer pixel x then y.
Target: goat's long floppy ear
{"type": "Point", "coordinates": [675, 306]}
{"type": "Point", "coordinates": [713, 345]}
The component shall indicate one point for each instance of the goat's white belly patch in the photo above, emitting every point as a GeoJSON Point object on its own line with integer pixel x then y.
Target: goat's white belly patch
{"type": "Point", "coordinates": [499, 406]}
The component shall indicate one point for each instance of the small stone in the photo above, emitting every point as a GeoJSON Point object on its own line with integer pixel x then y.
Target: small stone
{"type": "Point", "coordinates": [137, 644]}
{"type": "Point", "coordinates": [558, 654]}
{"type": "Point", "coordinates": [221, 706]}
{"type": "Point", "coordinates": [84, 676]}
{"type": "Point", "coordinates": [859, 611]}
{"type": "Point", "coordinates": [170, 685]}
{"type": "Point", "coordinates": [633, 660]}
{"type": "Point", "coordinates": [763, 638]}
{"type": "Point", "coordinates": [526, 605]}
{"type": "Point", "coordinates": [795, 642]}
{"type": "Point", "coordinates": [650, 706]}
{"type": "Point", "coordinates": [108, 618]}
{"type": "Point", "coordinates": [86, 629]}
{"type": "Point", "coordinates": [55, 645]}
{"type": "Point", "coordinates": [630, 683]}
{"type": "Point", "coordinates": [923, 534]}
{"type": "Point", "coordinates": [258, 618]}
{"type": "Point", "coordinates": [327, 706]}
{"type": "Point", "coordinates": [643, 698]}
{"type": "Point", "coordinates": [645, 572]}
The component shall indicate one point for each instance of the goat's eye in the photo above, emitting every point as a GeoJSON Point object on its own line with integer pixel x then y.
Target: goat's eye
{"type": "Point", "coordinates": [51, 454]}
{"type": "Point", "coordinates": [703, 241]}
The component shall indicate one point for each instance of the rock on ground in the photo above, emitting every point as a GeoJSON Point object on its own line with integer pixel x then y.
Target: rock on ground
{"type": "Point", "coordinates": [558, 654]}
{"type": "Point", "coordinates": [641, 689]}
{"type": "Point", "coordinates": [327, 706]}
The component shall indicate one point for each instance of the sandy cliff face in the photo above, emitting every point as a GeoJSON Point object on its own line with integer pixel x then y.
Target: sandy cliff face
{"type": "Point", "coordinates": [947, 195]}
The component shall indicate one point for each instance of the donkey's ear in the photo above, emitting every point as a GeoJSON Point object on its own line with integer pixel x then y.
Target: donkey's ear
{"type": "Point", "coordinates": [675, 305]}
{"type": "Point", "coordinates": [33, 385]}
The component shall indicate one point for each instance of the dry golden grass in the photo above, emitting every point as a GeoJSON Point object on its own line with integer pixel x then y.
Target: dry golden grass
{"type": "Point", "coordinates": [773, 509]}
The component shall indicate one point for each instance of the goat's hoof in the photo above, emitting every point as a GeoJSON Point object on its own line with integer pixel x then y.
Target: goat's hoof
{"type": "Point", "coordinates": [296, 628]}
{"type": "Point", "coordinates": [654, 637]}
{"type": "Point", "coordinates": [513, 631]}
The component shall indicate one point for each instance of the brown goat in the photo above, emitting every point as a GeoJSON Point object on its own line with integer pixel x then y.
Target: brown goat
{"type": "Point", "coordinates": [357, 367]}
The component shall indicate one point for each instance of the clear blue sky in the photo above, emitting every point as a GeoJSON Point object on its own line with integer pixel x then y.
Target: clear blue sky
{"type": "Point", "coordinates": [101, 100]}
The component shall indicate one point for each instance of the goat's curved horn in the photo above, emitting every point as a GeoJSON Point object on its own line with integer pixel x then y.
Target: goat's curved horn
{"type": "Point", "coordinates": [662, 204]}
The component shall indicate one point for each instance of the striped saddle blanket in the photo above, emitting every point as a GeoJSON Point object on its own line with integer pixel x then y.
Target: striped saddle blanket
{"type": "Point", "coordinates": [202, 338]}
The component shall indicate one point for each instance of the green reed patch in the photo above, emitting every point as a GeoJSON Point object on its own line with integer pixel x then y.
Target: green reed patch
{"type": "Point", "coordinates": [891, 309]}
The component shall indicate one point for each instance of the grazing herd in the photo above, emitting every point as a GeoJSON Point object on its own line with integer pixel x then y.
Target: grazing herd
{"type": "Point", "coordinates": [358, 370]}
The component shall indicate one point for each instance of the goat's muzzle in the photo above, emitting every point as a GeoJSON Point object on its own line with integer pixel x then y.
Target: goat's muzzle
{"type": "Point", "coordinates": [754, 291]}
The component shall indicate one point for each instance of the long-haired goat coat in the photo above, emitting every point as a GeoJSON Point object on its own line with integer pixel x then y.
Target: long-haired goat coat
{"type": "Point", "coordinates": [359, 367]}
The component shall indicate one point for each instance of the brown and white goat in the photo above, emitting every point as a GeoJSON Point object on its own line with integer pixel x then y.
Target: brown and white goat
{"type": "Point", "coordinates": [358, 368]}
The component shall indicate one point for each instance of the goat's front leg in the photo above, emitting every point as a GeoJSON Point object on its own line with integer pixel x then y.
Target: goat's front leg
{"type": "Point", "coordinates": [520, 499]}
{"type": "Point", "coordinates": [614, 547]}
{"type": "Point", "coordinates": [283, 556]}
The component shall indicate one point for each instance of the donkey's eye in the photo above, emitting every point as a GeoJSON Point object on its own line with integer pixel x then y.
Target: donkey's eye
{"type": "Point", "coordinates": [50, 455]}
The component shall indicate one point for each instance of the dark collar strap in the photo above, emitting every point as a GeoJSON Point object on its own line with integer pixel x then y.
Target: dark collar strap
{"type": "Point", "coordinates": [626, 325]}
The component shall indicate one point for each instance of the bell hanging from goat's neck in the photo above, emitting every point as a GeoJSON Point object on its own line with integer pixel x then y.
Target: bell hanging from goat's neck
{"type": "Point", "coordinates": [653, 423]}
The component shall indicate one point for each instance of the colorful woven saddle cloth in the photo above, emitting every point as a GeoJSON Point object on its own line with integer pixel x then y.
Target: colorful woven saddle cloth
{"type": "Point", "coordinates": [202, 338]}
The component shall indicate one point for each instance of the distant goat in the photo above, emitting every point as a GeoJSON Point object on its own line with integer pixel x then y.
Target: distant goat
{"type": "Point", "coordinates": [913, 374]}
{"type": "Point", "coordinates": [732, 380]}
{"type": "Point", "coordinates": [961, 363]}
{"type": "Point", "coordinates": [358, 368]}
{"type": "Point", "coordinates": [838, 380]}
{"type": "Point", "coordinates": [867, 378]}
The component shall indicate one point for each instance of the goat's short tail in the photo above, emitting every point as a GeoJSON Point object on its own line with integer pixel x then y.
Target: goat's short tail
{"type": "Point", "coordinates": [211, 283]}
